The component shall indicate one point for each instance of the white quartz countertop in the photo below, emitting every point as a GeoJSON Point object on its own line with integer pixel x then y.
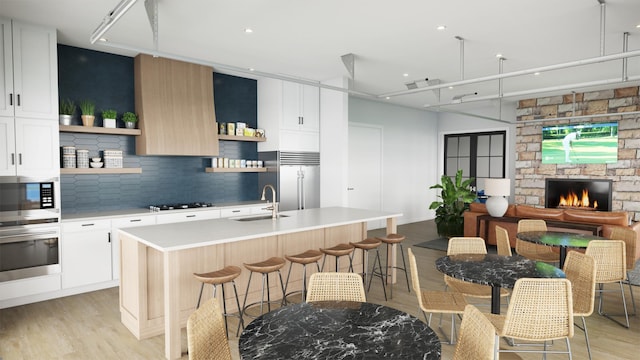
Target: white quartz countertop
{"type": "Point", "coordinates": [192, 234]}
{"type": "Point", "coordinates": [145, 212]}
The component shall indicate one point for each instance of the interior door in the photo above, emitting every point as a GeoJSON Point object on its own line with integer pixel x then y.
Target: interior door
{"type": "Point", "coordinates": [365, 169]}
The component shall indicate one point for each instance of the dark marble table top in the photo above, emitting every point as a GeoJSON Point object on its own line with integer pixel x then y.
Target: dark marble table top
{"type": "Point", "coordinates": [495, 270]}
{"type": "Point", "coordinates": [558, 238]}
{"type": "Point", "coordinates": [338, 330]}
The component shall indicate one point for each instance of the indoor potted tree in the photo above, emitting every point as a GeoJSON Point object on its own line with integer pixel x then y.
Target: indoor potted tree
{"type": "Point", "coordinates": [130, 119]}
{"type": "Point", "coordinates": [87, 107]}
{"type": "Point", "coordinates": [455, 197]}
{"type": "Point", "coordinates": [109, 118]}
{"type": "Point", "coordinates": [66, 110]}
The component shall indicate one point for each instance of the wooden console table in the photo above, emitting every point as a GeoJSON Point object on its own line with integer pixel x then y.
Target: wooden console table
{"type": "Point", "coordinates": [595, 229]}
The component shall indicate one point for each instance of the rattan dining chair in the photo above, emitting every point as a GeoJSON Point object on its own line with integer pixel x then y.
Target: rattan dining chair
{"type": "Point", "coordinates": [630, 238]}
{"type": "Point", "coordinates": [533, 251]}
{"type": "Point", "coordinates": [611, 267]}
{"type": "Point", "coordinates": [469, 245]}
{"type": "Point", "coordinates": [206, 334]}
{"type": "Point", "coordinates": [477, 336]}
{"type": "Point", "coordinates": [502, 241]}
{"type": "Point", "coordinates": [540, 309]}
{"type": "Point", "coordinates": [338, 286]}
{"type": "Point", "coordinates": [580, 269]}
{"type": "Point", "coordinates": [442, 302]}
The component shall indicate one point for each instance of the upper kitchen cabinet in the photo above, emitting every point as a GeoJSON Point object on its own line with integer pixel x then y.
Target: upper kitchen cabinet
{"type": "Point", "coordinates": [174, 102]}
{"type": "Point", "coordinates": [30, 147]}
{"type": "Point", "coordinates": [289, 113]}
{"type": "Point", "coordinates": [28, 71]}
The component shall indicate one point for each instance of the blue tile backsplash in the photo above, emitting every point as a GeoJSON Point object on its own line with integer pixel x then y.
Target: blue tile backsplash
{"type": "Point", "coordinates": [164, 179]}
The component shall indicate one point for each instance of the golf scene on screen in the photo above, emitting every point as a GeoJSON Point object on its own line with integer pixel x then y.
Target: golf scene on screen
{"type": "Point", "coordinates": [580, 144]}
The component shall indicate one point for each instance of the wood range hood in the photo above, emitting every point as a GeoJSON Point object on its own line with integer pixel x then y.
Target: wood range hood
{"type": "Point", "coordinates": [174, 103]}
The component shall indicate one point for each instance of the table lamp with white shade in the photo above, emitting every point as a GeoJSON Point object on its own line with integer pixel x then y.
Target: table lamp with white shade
{"type": "Point", "coordinates": [497, 189]}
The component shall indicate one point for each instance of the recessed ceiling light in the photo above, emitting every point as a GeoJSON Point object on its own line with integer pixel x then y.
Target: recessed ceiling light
{"type": "Point", "coordinates": [251, 69]}
{"type": "Point", "coordinates": [405, 74]}
{"type": "Point", "coordinates": [388, 98]}
{"type": "Point", "coordinates": [441, 27]}
{"type": "Point", "coordinates": [638, 26]}
{"type": "Point", "coordinates": [248, 30]}
{"type": "Point", "coordinates": [103, 39]}
{"type": "Point", "coordinates": [536, 73]}
{"type": "Point", "coordinates": [450, 87]}
{"type": "Point", "coordinates": [498, 55]}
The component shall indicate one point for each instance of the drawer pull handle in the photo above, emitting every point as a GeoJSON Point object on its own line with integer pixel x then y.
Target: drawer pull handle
{"type": "Point", "coordinates": [135, 220]}
{"type": "Point", "coordinates": [190, 216]}
{"type": "Point", "coordinates": [88, 224]}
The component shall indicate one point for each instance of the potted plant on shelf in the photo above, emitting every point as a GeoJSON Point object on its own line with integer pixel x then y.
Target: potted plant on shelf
{"type": "Point", "coordinates": [455, 197]}
{"type": "Point", "coordinates": [66, 110]}
{"type": "Point", "coordinates": [87, 107]}
{"type": "Point", "coordinates": [130, 119]}
{"type": "Point", "coordinates": [109, 118]}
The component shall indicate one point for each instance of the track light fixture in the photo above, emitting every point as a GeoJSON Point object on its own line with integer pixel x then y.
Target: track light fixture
{"type": "Point", "coordinates": [111, 18]}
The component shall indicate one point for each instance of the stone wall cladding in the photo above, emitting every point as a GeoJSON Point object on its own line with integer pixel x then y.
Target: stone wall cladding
{"type": "Point", "coordinates": [531, 173]}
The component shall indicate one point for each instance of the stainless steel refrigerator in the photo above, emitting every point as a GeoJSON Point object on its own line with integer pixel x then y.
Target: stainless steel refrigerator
{"type": "Point", "coordinates": [296, 176]}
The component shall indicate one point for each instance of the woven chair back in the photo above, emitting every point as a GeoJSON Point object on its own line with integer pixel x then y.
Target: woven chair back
{"type": "Point", "coordinates": [466, 245]}
{"type": "Point", "coordinates": [415, 280]}
{"type": "Point", "coordinates": [630, 238]}
{"type": "Point", "coordinates": [532, 225]}
{"type": "Point", "coordinates": [476, 338]}
{"type": "Point", "coordinates": [580, 269]}
{"type": "Point", "coordinates": [502, 241]}
{"type": "Point", "coordinates": [206, 334]}
{"type": "Point", "coordinates": [339, 286]}
{"type": "Point", "coordinates": [610, 257]}
{"type": "Point", "coordinates": [540, 309]}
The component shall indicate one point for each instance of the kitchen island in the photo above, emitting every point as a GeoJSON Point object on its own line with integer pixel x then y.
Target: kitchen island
{"type": "Point", "coordinates": [158, 291]}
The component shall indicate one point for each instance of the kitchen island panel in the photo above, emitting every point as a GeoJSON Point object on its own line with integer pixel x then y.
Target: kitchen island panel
{"type": "Point", "coordinates": [142, 302]}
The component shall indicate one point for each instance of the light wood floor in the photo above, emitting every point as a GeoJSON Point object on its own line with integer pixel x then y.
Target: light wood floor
{"type": "Point", "coordinates": [87, 326]}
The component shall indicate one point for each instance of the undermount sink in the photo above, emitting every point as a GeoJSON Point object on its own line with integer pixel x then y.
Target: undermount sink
{"type": "Point", "coordinates": [258, 217]}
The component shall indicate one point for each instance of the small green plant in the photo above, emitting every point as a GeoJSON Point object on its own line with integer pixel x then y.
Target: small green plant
{"type": "Point", "coordinates": [67, 107]}
{"type": "Point", "coordinates": [129, 117]}
{"type": "Point", "coordinates": [87, 107]}
{"type": "Point", "coordinates": [455, 197]}
{"type": "Point", "coordinates": [109, 114]}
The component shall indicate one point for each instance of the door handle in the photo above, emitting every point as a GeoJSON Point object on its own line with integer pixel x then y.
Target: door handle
{"type": "Point", "coordinates": [11, 99]}
{"type": "Point", "coordinates": [20, 159]}
{"type": "Point", "coordinates": [13, 158]}
{"type": "Point", "coordinates": [18, 99]}
{"type": "Point", "coordinates": [350, 188]}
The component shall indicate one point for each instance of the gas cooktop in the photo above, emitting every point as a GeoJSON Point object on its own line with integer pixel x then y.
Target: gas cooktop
{"type": "Point", "coordinates": [180, 206]}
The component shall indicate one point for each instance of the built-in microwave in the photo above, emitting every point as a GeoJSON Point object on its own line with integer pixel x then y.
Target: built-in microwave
{"type": "Point", "coordinates": [26, 200]}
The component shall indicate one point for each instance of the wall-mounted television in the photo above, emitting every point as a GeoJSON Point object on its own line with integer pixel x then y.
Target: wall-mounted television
{"type": "Point", "coordinates": [595, 143]}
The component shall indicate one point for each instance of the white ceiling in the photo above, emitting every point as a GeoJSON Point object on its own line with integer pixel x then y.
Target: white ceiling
{"type": "Point", "coordinates": [306, 38]}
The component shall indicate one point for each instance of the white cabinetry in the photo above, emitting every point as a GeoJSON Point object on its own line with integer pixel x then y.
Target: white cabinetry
{"type": "Point", "coordinates": [29, 67]}
{"type": "Point", "coordinates": [86, 253]}
{"type": "Point", "coordinates": [289, 113]}
{"type": "Point", "coordinates": [29, 141]}
{"type": "Point", "coordinates": [123, 223]}
{"type": "Point", "coordinates": [182, 216]}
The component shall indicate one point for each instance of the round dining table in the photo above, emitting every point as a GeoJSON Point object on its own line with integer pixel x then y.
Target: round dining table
{"type": "Point", "coordinates": [497, 271]}
{"type": "Point", "coordinates": [560, 239]}
{"type": "Point", "coordinates": [338, 330]}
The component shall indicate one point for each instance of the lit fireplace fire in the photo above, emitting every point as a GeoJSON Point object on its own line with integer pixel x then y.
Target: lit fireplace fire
{"type": "Point", "coordinates": [573, 200]}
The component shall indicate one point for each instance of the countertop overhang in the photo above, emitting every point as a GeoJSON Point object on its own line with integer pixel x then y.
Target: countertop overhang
{"type": "Point", "coordinates": [193, 234]}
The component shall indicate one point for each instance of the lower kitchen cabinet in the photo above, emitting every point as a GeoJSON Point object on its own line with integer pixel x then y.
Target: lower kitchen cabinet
{"type": "Point", "coordinates": [180, 216]}
{"type": "Point", "coordinates": [86, 253]}
{"type": "Point", "coordinates": [122, 223]}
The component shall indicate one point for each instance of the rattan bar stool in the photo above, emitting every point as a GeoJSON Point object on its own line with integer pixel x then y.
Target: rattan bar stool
{"type": "Point", "coordinates": [338, 251]}
{"type": "Point", "coordinates": [392, 240]}
{"type": "Point", "coordinates": [220, 277]}
{"type": "Point", "coordinates": [366, 245]}
{"type": "Point", "coordinates": [304, 259]}
{"type": "Point", "coordinates": [265, 268]}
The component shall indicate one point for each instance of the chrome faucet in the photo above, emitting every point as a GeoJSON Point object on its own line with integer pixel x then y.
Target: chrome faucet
{"type": "Point", "coordinates": [274, 205]}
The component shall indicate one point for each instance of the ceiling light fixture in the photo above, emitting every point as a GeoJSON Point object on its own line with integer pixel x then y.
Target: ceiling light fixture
{"type": "Point", "coordinates": [248, 30]}
{"type": "Point", "coordinates": [441, 27]}
{"type": "Point", "coordinates": [111, 18]}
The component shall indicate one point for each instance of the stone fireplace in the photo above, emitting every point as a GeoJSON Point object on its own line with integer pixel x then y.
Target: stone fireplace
{"type": "Point", "coordinates": [583, 194]}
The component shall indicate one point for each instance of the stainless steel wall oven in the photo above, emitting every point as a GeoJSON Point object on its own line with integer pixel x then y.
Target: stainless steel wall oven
{"type": "Point", "coordinates": [29, 227]}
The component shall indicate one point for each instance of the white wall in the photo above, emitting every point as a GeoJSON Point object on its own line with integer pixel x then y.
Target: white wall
{"type": "Point", "coordinates": [410, 155]}
{"type": "Point", "coordinates": [334, 138]}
